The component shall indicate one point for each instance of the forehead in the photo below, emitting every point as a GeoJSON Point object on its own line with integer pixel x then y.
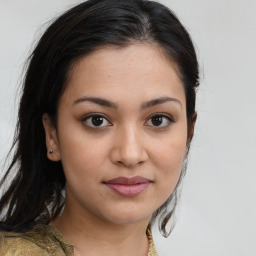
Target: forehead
{"type": "Point", "coordinates": [138, 69]}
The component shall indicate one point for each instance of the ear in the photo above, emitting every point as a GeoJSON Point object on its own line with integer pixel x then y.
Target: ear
{"type": "Point", "coordinates": [52, 145]}
{"type": "Point", "coordinates": [191, 128]}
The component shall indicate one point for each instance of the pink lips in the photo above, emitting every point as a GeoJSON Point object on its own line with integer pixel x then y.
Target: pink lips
{"type": "Point", "coordinates": [128, 186]}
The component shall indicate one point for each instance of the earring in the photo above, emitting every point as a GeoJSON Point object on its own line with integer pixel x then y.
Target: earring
{"type": "Point", "coordinates": [51, 152]}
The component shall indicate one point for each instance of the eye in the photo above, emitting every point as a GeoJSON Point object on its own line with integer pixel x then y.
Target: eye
{"type": "Point", "coordinates": [159, 120]}
{"type": "Point", "coordinates": [96, 121]}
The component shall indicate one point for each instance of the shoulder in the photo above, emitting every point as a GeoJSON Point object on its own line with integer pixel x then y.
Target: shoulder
{"type": "Point", "coordinates": [14, 244]}
{"type": "Point", "coordinates": [39, 241]}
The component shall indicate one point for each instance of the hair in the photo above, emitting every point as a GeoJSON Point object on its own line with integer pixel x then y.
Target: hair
{"type": "Point", "coordinates": [35, 193]}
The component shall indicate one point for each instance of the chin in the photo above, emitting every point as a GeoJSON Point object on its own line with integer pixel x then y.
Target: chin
{"type": "Point", "coordinates": [126, 215]}
{"type": "Point", "coordinates": [128, 220]}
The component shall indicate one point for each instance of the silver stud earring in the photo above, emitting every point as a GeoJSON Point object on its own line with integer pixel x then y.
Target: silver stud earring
{"type": "Point", "coordinates": [51, 152]}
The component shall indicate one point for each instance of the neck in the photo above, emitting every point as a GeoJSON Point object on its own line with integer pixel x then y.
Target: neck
{"type": "Point", "coordinates": [90, 235]}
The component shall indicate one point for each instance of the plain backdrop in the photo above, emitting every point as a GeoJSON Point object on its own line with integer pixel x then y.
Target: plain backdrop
{"type": "Point", "coordinates": [217, 214]}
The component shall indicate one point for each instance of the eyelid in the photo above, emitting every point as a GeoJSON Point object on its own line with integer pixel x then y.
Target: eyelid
{"type": "Point", "coordinates": [168, 116]}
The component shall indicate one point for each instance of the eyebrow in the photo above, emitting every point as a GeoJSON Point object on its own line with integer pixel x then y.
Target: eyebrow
{"type": "Point", "coordinates": [107, 103]}
{"type": "Point", "coordinates": [159, 101]}
{"type": "Point", "coordinates": [96, 100]}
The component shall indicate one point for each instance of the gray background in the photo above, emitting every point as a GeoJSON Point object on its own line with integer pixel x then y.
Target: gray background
{"type": "Point", "coordinates": [217, 214]}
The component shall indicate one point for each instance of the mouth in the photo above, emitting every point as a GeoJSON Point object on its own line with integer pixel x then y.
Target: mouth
{"type": "Point", "coordinates": [128, 187]}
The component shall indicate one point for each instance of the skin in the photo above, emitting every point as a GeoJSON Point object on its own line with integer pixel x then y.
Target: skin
{"type": "Point", "coordinates": [128, 144]}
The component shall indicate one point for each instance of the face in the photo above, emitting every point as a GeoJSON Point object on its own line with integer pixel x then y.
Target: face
{"type": "Point", "coordinates": [121, 133]}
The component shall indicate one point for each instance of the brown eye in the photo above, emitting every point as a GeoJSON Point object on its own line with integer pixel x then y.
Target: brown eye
{"type": "Point", "coordinates": [159, 120]}
{"type": "Point", "coordinates": [96, 121]}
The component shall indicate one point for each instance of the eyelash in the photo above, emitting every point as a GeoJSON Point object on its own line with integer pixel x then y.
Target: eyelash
{"type": "Point", "coordinates": [104, 119]}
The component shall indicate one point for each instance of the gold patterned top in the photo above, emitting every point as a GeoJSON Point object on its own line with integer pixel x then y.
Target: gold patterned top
{"type": "Point", "coordinates": [44, 240]}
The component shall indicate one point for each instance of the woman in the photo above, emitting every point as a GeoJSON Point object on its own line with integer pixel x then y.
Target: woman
{"type": "Point", "coordinates": [106, 118]}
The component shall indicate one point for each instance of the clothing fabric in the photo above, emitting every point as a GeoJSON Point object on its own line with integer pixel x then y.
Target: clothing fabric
{"type": "Point", "coordinates": [44, 240]}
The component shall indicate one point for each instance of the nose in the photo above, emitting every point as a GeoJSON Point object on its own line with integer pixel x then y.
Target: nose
{"type": "Point", "coordinates": [129, 149]}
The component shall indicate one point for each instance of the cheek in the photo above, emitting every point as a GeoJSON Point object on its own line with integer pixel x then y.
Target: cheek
{"type": "Point", "coordinates": [81, 165]}
{"type": "Point", "coordinates": [81, 156]}
{"type": "Point", "coordinates": [168, 159]}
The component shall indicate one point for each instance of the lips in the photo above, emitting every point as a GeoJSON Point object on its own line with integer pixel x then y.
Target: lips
{"type": "Point", "coordinates": [128, 186]}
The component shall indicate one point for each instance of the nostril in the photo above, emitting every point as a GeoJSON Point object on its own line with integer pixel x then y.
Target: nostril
{"type": "Point", "coordinates": [130, 164]}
